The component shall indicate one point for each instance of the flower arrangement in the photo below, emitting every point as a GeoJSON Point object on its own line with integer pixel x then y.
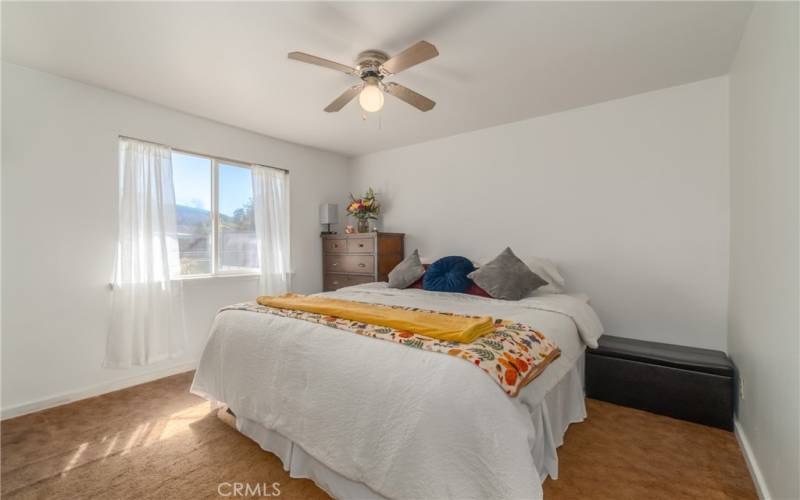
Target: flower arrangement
{"type": "Point", "coordinates": [364, 208]}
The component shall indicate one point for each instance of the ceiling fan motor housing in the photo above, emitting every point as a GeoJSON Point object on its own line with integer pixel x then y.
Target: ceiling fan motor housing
{"type": "Point", "coordinates": [368, 63]}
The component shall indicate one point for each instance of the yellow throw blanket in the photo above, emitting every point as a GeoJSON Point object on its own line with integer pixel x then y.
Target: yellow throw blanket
{"type": "Point", "coordinates": [442, 326]}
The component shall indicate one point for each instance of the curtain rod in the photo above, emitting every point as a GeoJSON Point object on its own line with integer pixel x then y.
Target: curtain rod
{"type": "Point", "coordinates": [195, 153]}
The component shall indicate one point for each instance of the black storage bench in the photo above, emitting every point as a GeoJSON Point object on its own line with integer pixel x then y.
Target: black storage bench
{"type": "Point", "coordinates": [677, 381]}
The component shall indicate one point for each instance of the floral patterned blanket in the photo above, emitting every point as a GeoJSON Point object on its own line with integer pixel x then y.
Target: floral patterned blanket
{"type": "Point", "coordinates": [513, 354]}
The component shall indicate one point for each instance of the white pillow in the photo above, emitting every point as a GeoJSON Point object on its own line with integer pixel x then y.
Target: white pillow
{"type": "Point", "coordinates": [548, 271]}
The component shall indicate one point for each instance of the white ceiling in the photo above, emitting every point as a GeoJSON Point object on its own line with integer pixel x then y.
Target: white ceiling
{"type": "Point", "coordinates": [498, 62]}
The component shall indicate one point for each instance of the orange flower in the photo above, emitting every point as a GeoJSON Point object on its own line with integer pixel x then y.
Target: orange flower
{"type": "Point", "coordinates": [511, 377]}
{"type": "Point", "coordinates": [521, 365]}
{"type": "Point", "coordinates": [514, 367]}
{"type": "Point", "coordinates": [458, 353]}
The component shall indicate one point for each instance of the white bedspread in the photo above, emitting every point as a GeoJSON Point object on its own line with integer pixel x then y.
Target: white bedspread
{"type": "Point", "coordinates": [407, 423]}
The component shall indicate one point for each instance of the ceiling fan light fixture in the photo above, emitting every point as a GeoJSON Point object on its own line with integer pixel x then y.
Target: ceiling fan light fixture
{"type": "Point", "coordinates": [371, 96]}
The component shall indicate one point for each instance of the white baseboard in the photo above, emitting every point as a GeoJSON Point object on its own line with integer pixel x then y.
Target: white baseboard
{"type": "Point", "coordinates": [95, 390]}
{"type": "Point", "coordinates": [752, 464]}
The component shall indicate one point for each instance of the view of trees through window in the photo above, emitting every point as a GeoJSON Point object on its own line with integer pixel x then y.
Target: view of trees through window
{"type": "Point", "coordinates": [231, 245]}
{"type": "Point", "coordinates": [238, 248]}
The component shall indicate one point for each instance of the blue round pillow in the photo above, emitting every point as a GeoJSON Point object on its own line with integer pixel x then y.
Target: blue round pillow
{"type": "Point", "coordinates": [448, 274]}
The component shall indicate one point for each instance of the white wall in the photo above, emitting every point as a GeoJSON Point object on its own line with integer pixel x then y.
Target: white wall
{"type": "Point", "coordinates": [629, 196]}
{"type": "Point", "coordinates": [764, 298]}
{"type": "Point", "coordinates": [59, 204]}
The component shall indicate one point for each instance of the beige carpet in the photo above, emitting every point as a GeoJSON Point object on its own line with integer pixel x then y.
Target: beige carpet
{"type": "Point", "coordinates": [158, 441]}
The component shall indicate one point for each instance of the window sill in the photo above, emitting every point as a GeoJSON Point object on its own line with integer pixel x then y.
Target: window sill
{"type": "Point", "coordinates": [206, 277]}
{"type": "Point", "coordinates": [209, 277]}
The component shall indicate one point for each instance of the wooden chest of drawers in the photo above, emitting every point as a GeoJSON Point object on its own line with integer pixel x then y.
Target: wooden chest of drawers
{"type": "Point", "coordinates": [353, 259]}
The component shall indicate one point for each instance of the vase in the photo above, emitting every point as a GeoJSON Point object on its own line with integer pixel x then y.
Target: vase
{"type": "Point", "coordinates": [363, 225]}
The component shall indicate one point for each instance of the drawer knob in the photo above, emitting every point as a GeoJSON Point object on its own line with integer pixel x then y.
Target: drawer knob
{"type": "Point", "coordinates": [362, 265]}
{"type": "Point", "coordinates": [335, 245]}
{"type": "Point", "coordinates": [335, 264]}
{"type": "Point", "coordinates": [361, 245]}
{"type": "Point", "coordinates": [335, 282]}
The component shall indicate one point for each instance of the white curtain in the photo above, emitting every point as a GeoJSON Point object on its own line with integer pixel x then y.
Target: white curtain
{"type": "Point", "coordinates": [147, 313]}
{"type": "Point", "coordinates": [271, 204]}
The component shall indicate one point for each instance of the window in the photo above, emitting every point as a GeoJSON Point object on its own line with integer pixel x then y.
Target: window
{"type": "Point", "coordinates": [214, 212]}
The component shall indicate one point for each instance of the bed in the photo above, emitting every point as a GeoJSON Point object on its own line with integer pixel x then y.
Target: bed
{"type": "Point", "coordinates": [365, 418]}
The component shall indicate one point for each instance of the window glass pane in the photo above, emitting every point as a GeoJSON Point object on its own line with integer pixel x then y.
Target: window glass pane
{"type": "Point", "coordinates": [192, 178]}
{"type": "Point", "coordinates": [238, 249]}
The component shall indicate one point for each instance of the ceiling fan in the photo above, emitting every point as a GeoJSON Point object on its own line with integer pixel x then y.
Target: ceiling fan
{"type": "Point", "coordinates": [372, 66]}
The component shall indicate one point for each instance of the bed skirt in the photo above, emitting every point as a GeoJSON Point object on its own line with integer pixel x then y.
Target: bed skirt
{"type": "Point", "coordinates": [563, 405]}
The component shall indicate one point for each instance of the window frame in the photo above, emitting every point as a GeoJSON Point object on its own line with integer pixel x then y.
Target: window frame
{"type": "Point", "coordinates": [214, 211]}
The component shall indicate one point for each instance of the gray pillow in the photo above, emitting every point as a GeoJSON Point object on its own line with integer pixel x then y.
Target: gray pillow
{"type": "Point", "coordinates": [506, 277]}
{"type": "Point", "coordinates": [407, 272]}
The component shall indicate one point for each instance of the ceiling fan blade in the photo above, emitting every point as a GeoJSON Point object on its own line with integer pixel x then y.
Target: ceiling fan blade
{"type": "Point", "coordinates": [308, 58]}
{"type": "Point", "coordinates": [343, 99]}
{"type": "Point", "coordinates": [417, 53]}
{"type": "Point", "coordinates": [419, 101]}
